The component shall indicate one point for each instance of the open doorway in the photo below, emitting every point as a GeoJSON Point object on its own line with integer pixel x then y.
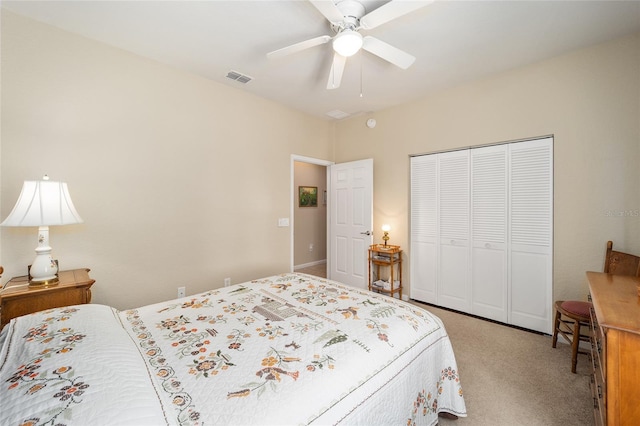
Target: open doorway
{"type": "Point", "coordinates": [309, 248]}
{"type": "Point", "coordinates": [348, 221]}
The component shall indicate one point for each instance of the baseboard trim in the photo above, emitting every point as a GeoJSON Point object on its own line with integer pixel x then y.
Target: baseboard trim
{"type": "Point", "coordinates": [482, 318]}
{"type": "Point", "coordinates": [308, 265]}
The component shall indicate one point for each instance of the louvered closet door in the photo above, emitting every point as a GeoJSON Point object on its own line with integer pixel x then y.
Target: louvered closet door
{"type": "Point", "coordinates": [482, 231]}
{"type": "Point", "coordinates": [531, 231]}
{"type": "Point", "coordinates": [453, 214]}
{"type": "Point", "coordinates": [489, 232]}
{"type": "Point", "coordinates": [424, 212]}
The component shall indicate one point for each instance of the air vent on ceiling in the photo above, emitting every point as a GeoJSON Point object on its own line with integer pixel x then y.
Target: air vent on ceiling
{"type": "Point", "coordinates": [240, 78]}
{"type": "Point", "coordinates": [337, 114]}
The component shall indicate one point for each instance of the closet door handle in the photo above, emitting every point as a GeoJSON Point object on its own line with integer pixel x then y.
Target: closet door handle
{"type": "Point", "coordinates": [366, 233]}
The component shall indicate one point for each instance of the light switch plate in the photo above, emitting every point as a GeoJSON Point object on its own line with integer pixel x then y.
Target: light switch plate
{"type": "Point", "coordinates": [283, 222]}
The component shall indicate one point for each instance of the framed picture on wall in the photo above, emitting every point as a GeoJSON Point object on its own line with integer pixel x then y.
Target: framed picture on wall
{"type": "Point", "coordinates": [308, 196]}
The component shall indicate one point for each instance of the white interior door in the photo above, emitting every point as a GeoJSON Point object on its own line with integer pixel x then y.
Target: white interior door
{"type": "Point", "coordinates": [350, 221]}
{"type": "Point", "coordinates": [453, 213]}
{"type": "Point", "coordinates": [531, 234]}
{"type": "Point", "coordinates": [424, 228]}
{"type": "Point", "coordinates": [489, 232]}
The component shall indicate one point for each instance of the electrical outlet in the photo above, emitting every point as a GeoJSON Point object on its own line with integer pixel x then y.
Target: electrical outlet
{"type": "Point", "coordinates": [310, 246]}
{"type": "Point", "coordinates": [227, 282]}
{"type": "Point", "coordinates": [181, 292]}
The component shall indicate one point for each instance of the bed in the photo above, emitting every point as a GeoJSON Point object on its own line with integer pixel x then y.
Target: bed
{"type": "Point", "coordinates": [289, 349]}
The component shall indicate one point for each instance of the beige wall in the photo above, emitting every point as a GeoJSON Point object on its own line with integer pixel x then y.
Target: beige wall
{"type": "Point", "coordinates": [588, 99]}
{"type": "Point", "coordinates": [180, 180]}
{"type": "Point", "coordinates": [310, 223]}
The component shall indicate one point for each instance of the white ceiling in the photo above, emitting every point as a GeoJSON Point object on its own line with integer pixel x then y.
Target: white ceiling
{"type": "Point", "coordinates": [453, 41]}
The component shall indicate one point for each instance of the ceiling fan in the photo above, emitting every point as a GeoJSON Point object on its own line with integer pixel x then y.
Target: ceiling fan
{"type": "Point", "coordinates": [347, 17]}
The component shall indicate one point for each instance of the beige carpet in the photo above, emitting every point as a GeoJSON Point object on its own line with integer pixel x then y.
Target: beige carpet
{"type": "Point", "coordinates": [512, 377]}
{"type": "Point", "coordinates": [319, 270]}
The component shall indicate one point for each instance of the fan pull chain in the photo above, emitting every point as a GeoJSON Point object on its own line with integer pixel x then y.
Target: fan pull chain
{"type": "Point", "coordinates": [360, 54]}
{"type": "Point", "coordinates": [333, 73]}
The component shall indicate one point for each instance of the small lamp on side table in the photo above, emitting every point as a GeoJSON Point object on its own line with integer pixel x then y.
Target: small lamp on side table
{"type": "Point", "coordinates": [43, 203]}
{"type": "Point", "coordinates": [385, 228]}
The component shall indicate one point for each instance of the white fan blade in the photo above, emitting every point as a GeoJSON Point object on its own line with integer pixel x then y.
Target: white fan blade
{"type": "Point", "coordinates": [390, 11]}
{"type": "Point", "coordinates": [337, 68]}
{"type": "Point", "coordinates": [387, 52]}
{"type": "Point", "coordinates": [294, 48]}
{"type": "Point", "coordinates": [329, 10]}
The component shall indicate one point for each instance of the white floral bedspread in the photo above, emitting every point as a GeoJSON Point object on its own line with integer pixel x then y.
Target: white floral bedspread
{"type": "Point", "coordinates": [285, 350]}
{"type": "Point", "coordinates": [74, 365]}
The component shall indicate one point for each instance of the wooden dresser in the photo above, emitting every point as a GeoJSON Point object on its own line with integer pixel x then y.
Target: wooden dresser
{"type": "Point", "coordinates": [615, 350]}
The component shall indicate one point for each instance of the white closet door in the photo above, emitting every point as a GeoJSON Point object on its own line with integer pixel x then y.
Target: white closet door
{"type": "Point", "coordinates": [531, 231]}
{"type": "Point", "coordinates": [489, 232]}
{"type": "Point", "coordinates": [453, 213]}
{"type": "Point", "coordinates": [424, 211]}
{"type": "Point", "coordinates": [482, 231]}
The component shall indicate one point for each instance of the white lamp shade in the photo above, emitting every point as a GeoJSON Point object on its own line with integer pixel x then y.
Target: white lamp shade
{"type": "Point", "coordinates": [347, 43]}
{"type": "Point", "coordinates": [43, 203]}
{"type": "Point", "coordinates": [386, 228]}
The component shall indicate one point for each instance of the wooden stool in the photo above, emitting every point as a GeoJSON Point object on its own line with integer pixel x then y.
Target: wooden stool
{"type": "Point", "coordinates": [577, 316]}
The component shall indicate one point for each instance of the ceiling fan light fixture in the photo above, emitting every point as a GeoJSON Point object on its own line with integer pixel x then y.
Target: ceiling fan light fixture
{"type": "Point", "coordinates": [347, 42]}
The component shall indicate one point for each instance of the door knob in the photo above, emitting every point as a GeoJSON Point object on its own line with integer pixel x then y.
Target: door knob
{"type": "Point", "coordinates": [366, 233]}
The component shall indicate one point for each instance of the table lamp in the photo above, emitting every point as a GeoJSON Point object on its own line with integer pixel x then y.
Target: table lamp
{"type": "Point", "coordinates": [385, 228]}
{"type": "Point", "coordinates": [43, 203]}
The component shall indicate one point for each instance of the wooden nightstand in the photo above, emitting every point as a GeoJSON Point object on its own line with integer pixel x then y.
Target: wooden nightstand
{"type": "Point", "coordinates": [385, 256]}
{"type": "Point", "coordinates": [18, 299]}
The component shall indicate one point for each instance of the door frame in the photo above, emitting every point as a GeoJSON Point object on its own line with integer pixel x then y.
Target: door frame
{"type": "Point", "coordinates": [302, 159]}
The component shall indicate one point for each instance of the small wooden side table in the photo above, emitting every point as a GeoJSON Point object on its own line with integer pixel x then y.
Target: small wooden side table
{"type": "Point", "coordinates": [19, 299]}
{"type": "Point", "coordinates": [385, 256]}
